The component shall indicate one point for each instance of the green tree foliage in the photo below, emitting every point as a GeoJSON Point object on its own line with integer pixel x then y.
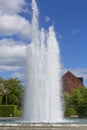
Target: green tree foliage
{"type": "Point", "coordinates": [69, 108]}
{"type": "Point", "coordinates": [1, 80]}
{"type": "Point", "coordinates": [76, 103]}
{"type": "Point", "coordinates": [1, 89]}
{"type": "Point", "coordinates": [13, 91]}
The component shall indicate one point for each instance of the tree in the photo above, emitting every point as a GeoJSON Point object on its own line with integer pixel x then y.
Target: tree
{"type": "Point", "coordinates": [78, 101]}
{"type": "Point", "coordinates": [1, 89]}
{"type": "Point", "coordinates": [81, 101]}
{"type": "Point", "coordinates": [69, 108]}
{"type": "Point", "coordinates": [14, 92]}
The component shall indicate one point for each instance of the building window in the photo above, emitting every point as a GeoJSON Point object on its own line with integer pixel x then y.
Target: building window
{"type": "Point", "coordinates": [68, 76]}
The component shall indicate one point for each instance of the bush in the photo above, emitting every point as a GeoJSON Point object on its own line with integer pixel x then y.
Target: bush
{"type": "Point", "coordinates": [70, 112]}
{"type": "Point", "coordinates": [82, 110]}
{"type": "Point", "coordinates": [8, 110]}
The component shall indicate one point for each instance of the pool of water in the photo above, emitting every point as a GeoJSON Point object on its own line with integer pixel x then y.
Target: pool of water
{"type": "Point", "coordinates": [75, 121]}
{"type": "Point", "coordinates": [20, 121]}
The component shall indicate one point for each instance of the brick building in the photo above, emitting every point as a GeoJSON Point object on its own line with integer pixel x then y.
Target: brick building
{"type": "Point", "coordinates": [70, 81]}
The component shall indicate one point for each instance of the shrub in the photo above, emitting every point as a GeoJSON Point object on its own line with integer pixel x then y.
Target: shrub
{"type": "Point", "coordinates": [82, 110]}
{"type": "Point", "coordinates": [70, 112]}
{"type": "Point", "coordinates": [8, 110]}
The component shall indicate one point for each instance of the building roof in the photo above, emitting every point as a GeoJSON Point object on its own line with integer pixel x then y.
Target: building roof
{"type": "Point", "coordinates": [70, 81]}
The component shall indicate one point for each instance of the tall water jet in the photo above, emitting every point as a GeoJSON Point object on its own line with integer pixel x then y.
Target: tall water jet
{"type": "Point", "coordinates": [43, 91]}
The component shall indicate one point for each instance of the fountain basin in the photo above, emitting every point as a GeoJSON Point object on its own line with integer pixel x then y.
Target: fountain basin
{"type": "Point", "coordinates": [28, 126]}
{"type": "Point", "coordinates": [20, 124]}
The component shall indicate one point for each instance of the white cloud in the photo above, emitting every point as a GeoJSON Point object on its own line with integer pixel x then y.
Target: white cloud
{"type": "Point", "coordinates": [10, 42]}
{"type": "Point", "coordinates": [79, 72]}
{"type": "Point", "coordinates": [12, 55]}
{"type": "Point", "coordinates": [47, 19]}
{"type": "Point", "coordinates": [74, 31]}
{"type": "Point", "coordinates": [10, 25]}
{"type": "Point", "coordinates": [18, 75]}
{"type": "Point", "coordinates": [11, 6]}
{"type": "Point", "coordinates": [4, 68]}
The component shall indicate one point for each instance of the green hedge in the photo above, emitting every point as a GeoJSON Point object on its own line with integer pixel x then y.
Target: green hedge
{"type": "Point", "coordinates": [8, 110]}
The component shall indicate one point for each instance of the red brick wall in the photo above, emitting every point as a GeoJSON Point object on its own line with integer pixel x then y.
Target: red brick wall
{"type": "Point", "coordinates": [70, 81]}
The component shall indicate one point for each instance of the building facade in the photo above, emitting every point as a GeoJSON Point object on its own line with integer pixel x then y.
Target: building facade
{"type": "Point", "coordinates": [70, 81]}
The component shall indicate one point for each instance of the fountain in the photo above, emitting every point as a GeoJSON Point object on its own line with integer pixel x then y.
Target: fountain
{"type": "Point", "coordinates": [42, 108]}
{"type": "Point", "coordinates": [43, 91]}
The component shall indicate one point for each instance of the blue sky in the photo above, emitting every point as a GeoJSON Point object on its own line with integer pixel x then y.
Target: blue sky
{"type": "Point", "coordinates": [70, 20]}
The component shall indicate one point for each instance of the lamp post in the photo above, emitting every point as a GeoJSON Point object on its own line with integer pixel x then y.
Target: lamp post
{"type": "Point", "coordinates": [6, 98]}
